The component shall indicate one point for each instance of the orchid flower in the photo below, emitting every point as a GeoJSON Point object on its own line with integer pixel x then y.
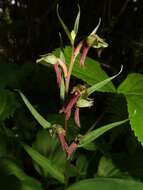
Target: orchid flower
{"type": "Point", "coordinates": [93, 40]}
{"type": "Point", "coordinates": [59, 65]}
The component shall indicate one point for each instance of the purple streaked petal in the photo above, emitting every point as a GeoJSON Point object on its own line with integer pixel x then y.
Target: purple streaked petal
{"type": "Point", "coordinates": [62, 140]}
{"type": "Point", "coordinates": [84, 54]}
{"type": "Point", "coordinates": [70, 105]}
{"type": "Point", "coordinates": [58, 74]}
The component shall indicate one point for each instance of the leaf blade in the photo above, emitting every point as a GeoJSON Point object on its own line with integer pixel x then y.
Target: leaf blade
{"type": "Point", "coordinates": [132, 89]}
{"type": "Point", "coordinates": [43, 122]}
{"type": "Point", "coordinates": [107, 184]}
{"type": "Point", "coordinates": [92, 135]}
{"type": "Point", "coordinates": [45, 163]}
{"type": "Point", "coordinates": [99, 85]}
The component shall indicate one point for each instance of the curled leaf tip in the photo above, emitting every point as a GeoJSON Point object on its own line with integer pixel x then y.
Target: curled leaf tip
{"type": "Point", "coordinates": [96, 28]}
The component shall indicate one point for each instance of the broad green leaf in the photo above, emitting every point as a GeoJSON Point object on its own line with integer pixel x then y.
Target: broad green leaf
{"type": "Point", "coordinates": [26, 182]}
{"type": "Point", "coordinates": [8, 104]}
{"type": "Point", "coordinates": [107, 184]}
{"type": "Point", "coordinates": [91, 73]}
{"type": "Point", "coordinates": [92, 135]}
{"type": "Point", "coordinates": [99, 85]}
{"type": "Point", "coordinates": [43, 122]}
{"type": "Point", "coordinates": [132, 88]}
{"type": "Point", "coordinates": [45, 163]}
{"type": "Point", "coordinates": [64, 26]}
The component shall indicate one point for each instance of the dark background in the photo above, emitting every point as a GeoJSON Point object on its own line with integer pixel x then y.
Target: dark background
{"type": "Point", "coordinates": [29, 28]}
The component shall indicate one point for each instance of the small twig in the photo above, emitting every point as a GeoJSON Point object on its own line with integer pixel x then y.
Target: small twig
{"type": "Point", "coordinates": [123, 8]}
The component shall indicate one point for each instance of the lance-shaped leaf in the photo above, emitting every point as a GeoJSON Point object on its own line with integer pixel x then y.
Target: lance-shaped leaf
{"type": "Point", "coordinates": [91, 136]}
{"type": "Point", "coordinates": [99, 85]}
{"type": "Point", "coordinates": [43, 122]}
{"type": "Point", "coordinates": [64, 26]}
{"type": "Point", "coordinates": [76, 25]}
{"type": "Point", "coordinates": [45, 163]}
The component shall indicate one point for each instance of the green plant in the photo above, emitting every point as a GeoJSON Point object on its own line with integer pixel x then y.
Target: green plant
{"type": "Point", "coordinates": [58, 150]}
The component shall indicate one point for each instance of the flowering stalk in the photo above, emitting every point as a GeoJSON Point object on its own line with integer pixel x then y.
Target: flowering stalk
{"type": "Point", "coordinates": [69, 71]}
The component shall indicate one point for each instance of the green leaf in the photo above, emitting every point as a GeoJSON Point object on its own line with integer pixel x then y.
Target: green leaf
{"type": "Point", "coordinates": [91, 136]}
{"type": "Point", "coordinates": [107, 184]}
{"type": "Point", "coordinates": [132, 88]}
{"type": "Point", "coordinates": [64, 26]}
{"type": "Point", "coordinates": [11, 168]}
{"type": "Point", "coordinates": [48, 146]}
{"type": "Point", "coordinates": [90, 146]}
{"type": "Point", "coordinates": [45, 163]}
{"type": "Point", "coordinates": [43, 122]}
{"type": "Point", "coordinates": [99, 85]}
{"type": "Point", "coordinates": [91, 73]}
{"type": "Point", "coordinates": [8, 104]}
{"type": "Point", "coordinates": [106, 168]}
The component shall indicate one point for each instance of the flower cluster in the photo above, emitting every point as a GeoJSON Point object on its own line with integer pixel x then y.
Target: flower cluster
{"type": "Point", "coordinates": [78, 96]}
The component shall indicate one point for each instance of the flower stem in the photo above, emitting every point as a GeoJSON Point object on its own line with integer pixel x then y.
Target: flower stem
{"type": "Point", "coordinates": [70, 70]}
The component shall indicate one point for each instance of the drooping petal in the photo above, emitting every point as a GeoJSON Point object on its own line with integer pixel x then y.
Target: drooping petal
{"type": "Point", "coordinates": [58, 74]}
{"type": "Point", "coordinates": [70, 105]}
{"type": "Point", "coordinates": [76, 117]}
{"type": "Point", "coordinates": [78, 48]}
{"type": "Point", "coordinates": [63, 67]}
{"type": "Point", "coordinates": [85, 50]}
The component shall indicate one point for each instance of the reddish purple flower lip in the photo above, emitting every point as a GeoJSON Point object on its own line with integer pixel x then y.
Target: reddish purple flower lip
{"type": "Point", "coordinates": [58, 74]}
{"type": "Point", "coordinates": [67, 110]}
{"type": "Point", "coordinates": [84, 53]}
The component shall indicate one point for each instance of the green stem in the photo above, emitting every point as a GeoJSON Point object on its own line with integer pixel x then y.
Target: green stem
{"type": "Point", "coordinates": [70, 70]}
